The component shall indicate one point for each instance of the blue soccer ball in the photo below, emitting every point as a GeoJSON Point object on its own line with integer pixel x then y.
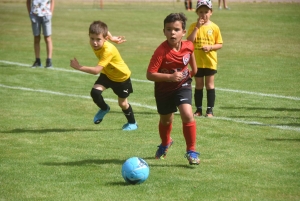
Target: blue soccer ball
{"type": "Point", "coordinates": [135, 170]}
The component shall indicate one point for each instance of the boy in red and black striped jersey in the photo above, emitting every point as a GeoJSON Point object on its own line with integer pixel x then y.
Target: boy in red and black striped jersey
{"type": "Point", "coordinates": [168, 68]}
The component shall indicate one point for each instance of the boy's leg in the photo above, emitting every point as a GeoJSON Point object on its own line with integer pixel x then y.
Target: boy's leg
{"type": "Point", "coordinates": [186, 4]}
{"type": "Point", "coordinates": [47, 31]}
{"type": "Point", "coordinates": [190, 4]}
{"type": "Point", "coordinates": [164, 128]}
{"type": "Point", "coordinates": [189, 133]}
{"type": "Point", "coordinates": [37, 48]}
{"type": "Point", "coordinates": [97, 97]}
{"type": "Point", "coordinates": [211, 96]}
{"type": "Point", "coordinates": [99, 101]}
{"type": "Point", "coordinates": [198, 95]}
{"type": "Point", "coordinates": [127, 110]}
{"type": "Point", "coordinates": [36, 30]}
{"type": "Point", "coordinates": [188, 126]}
{"type": "Point", "coordinates": [49, 49]}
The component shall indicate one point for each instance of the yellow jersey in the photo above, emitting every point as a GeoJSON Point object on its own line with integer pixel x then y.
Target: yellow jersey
{"type": "Point", "coordinates": [206, 35]}
{"type": "Point", "coordinates": [113, 65]}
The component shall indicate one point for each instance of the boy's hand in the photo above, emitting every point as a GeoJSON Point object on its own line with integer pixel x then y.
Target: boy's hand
{"type": "Point", "coordinates": [75, 64]}
{"type": "Point", "coordinates": [207, 48]}
{"type": "Point", "coordinates": [200, 22]}
{"type": "Point", "coordinates": [176, 77]}
{"type": "Point", "coordinates": [118, 39]}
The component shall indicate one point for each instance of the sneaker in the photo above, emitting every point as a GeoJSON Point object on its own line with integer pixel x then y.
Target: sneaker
{"type": "Point", "coordinates": [227, 8]}
{"type": "Point", "coordinates": [48, 64]}
{"type": "Point", "coordinates": [162, 151]}
{"type": "Point", "coordinates": [36, 64]}
{"type": "Point", "coordinates": [100, 115]}
{"type": "Point", "coordinates": [198, 113]}
{"type": "Point", "coordinates": [209, 112]}
{"type": "Point", "coordinates": [192, 157]}
{"type": "Point", "coordinates": [220, 8]}
{"type": "Point", "coordinates": [130, 127]}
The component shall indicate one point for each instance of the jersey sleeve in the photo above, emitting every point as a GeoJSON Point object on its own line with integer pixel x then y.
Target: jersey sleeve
{"type": "Point", "coordinates": [218, 38]}
{"type": "Point", "coordinates": [156, 60]}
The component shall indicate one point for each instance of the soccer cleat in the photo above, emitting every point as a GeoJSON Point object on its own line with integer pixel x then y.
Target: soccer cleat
{"type": "Point", "coordinates": [36, 64]}
{"type": "Point", "coordinates": [192, 157]}
{"type": "Point", "coordinates": [198, 113]}
{"type": "Point", "coordinates": [130, 127]}
{"type": "Point", "coordinates": [209, 112]}
{"type": "Point", "coordinates": [48, 63]}
{"type": "Point", "coordinates": [100, 115]}
{"type": "Point", "coordinates": [162, 150]}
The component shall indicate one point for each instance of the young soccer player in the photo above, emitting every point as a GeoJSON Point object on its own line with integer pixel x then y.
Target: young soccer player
{"type": "Point", "coordinates": [207, 39]}
{"type": "Point", "coordinates": [115, 73]}
{"type": "Point", "coordinates": [168, 68]}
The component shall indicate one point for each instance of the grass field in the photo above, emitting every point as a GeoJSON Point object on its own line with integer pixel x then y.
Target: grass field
{"type": "Point", "coordinates": [51, 150]}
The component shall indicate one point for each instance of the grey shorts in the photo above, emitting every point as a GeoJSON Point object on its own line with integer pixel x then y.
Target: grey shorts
{"type": "Point", "coordinates": [39, 23]}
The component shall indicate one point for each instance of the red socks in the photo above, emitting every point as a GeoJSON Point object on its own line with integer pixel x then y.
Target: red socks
{"type": "Point", "coordinates": [189, 132]}
{"type": "Point", "coordinates": [165, 133]}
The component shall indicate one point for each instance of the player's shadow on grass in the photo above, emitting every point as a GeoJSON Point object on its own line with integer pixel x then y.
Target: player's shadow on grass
{"type": "Point", "coordinates": [52, 130]}
{"type": "Point", "coordinates": [89, 162]}
{"type": "Point", "coordinates": [86, 162]}
{"type": "Point", "coordinates": [135, 112]}
{"type": "Point", "coordinates": [167, 165]}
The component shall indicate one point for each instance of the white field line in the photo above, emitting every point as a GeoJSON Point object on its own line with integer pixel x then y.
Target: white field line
{"type": "Point", "coordinates": [147, 81]}
{"type": "Point", "coordinates": [149, 107]}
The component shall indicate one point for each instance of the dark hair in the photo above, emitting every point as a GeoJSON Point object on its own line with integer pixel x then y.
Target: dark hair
{"type": "Point", "coordinates": [98, 27]}
{"type": "Point", "coordinates": [173, 17]}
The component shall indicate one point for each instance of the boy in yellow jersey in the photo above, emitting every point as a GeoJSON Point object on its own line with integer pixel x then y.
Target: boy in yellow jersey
{"type": "Point", "coordinates": [207, 39]}
{"type": "Point", "coordinates": [115, 73]}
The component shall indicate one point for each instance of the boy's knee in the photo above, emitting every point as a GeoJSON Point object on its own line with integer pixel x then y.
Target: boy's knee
{"type": "Point", "coordinates": [95, 93]}
{"type": "Point", "coordinates": [124, 105]}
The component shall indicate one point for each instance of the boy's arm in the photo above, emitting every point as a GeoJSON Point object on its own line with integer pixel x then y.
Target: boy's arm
{"type": "Point", "coordinates": [52, 6]}
{"type": "Point", "coordinates": [215, 47]}
{"type": "Point", "coordinates": [28, 6]}
{"type": "Point", "coordinates": [92, 70]}
{"type": "Point", "coordinates": [193, 35]}
{"type": "Point", "coordinates": [163, 77]}
{"type": "Point", "coordinates": [116, 39]}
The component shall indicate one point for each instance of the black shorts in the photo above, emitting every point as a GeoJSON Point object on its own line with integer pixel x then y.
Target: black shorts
{"type": "Point", "coordinates": [201, 72]}
{"type": "Point", "coordinates": [121, 89]}
{"type": "Point", "coordinates": [169, 105]}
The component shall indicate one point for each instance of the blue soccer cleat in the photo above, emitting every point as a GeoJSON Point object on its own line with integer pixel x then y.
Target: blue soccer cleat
{"type": "Point", "coordinates": [129, 127]}
{"type": "Point", "coordinates": [100, 115]}
{"type": "Point", "coordinates": [192, 157]}
{"type": "Point", "coordinates": [162, 151]}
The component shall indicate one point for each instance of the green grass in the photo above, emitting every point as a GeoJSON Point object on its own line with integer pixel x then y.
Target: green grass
{"type": "Point", "coordinates": [51, 150]}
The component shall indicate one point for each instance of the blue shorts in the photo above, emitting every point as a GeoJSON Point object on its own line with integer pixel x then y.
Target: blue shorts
{"type": "Point", "coordinates": [170, 104]}
{"type": "Point", "coordinates": [121, 89]}
{"type": "Point", "coordinates": [39, 23]}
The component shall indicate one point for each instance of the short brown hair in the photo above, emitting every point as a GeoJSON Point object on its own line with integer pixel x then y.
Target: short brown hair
{"type": "Point", "coordinates": [98, 27]}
